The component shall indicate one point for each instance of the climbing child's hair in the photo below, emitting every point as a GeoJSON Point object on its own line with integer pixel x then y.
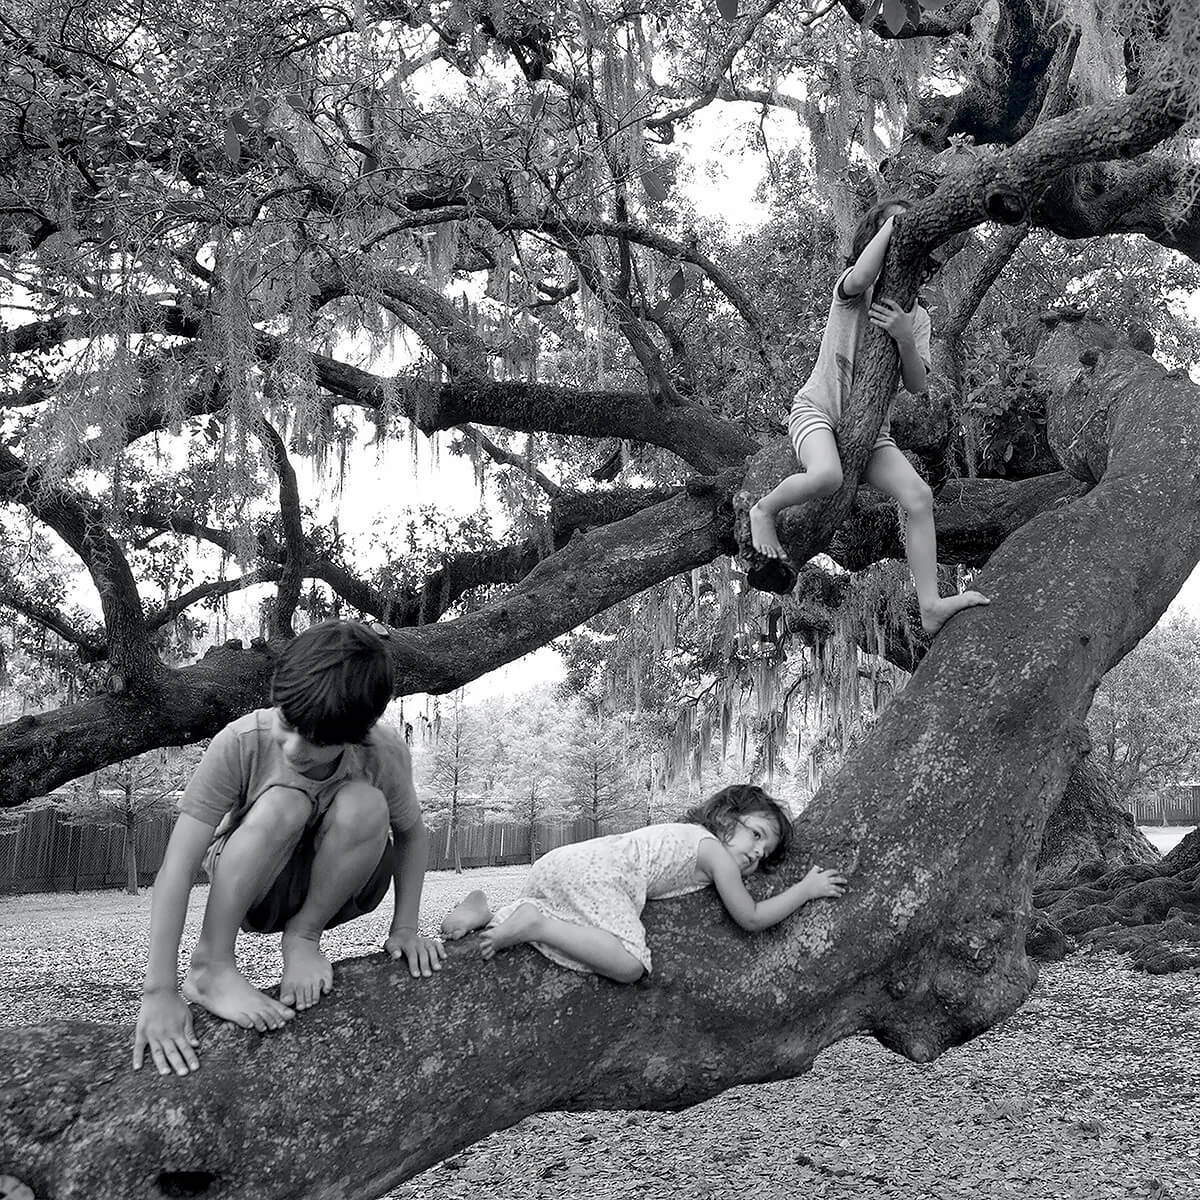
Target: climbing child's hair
{"type": "Point", "coordinates": [333, 682]}
{"type": "Point", "coordinates": [722, 811]}
{"type": "Point", "coordinates": [872, 221]}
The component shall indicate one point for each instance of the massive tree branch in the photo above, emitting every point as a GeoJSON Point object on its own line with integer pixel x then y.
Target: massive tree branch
{"type": "Point", "coordinates": [593, 571]}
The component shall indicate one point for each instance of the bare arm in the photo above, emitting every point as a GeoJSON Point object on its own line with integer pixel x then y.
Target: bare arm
{"type": "Point", "coordinates": [869, 263]}
{"type": "Point", "coordinates": [172, 885]}
{"type": "Point", "coordinates": [755, 915]}
{"type": "Point", "coordinates": [900, 326]}
{"type": "Point", "coordinates": [164, 1024]}
{"type": "Point", "coordinates": [412, 853]}
{"type": "Point", "coordinates": [423, 955]}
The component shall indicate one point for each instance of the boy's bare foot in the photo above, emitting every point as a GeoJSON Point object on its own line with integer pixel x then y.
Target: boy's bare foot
{"type": "Point", "coordinates": [762, 532]}
{"type": "Point", "coordinates": [522, 926]}
{"type": "Point", "coordinates": [469, 914]}
{"type": "Point", "coordinates": [228, 994]}
{"type": "Point", "coordinates": [938, 613]}
{"type": "Point", "coordinates": [307, 973]}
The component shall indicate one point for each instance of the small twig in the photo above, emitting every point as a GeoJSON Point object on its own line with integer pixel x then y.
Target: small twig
{"type": "Point", "coordinates": [509, 458]}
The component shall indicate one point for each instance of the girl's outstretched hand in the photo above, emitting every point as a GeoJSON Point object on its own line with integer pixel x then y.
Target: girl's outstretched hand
{"type": "Point", "coordinates": [824, 884]}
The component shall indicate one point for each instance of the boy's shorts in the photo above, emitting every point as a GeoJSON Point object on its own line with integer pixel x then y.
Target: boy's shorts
{"type": "Point", "coordinates": [285, 896]}
{"type": "Point", "coordinates": [805, 417]}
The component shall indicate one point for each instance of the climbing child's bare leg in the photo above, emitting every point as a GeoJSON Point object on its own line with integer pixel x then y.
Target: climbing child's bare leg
{"type": "Point", "coordinates": [470, 913]}
{"type": "Point", "coordinates": [891, 472]}
{"type": "Point", "coordinates": [822, 476]}
{"type": "Point", "coordinates": [595, 948]}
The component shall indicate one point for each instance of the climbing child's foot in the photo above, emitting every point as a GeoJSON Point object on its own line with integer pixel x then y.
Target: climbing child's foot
{"type": "Point", "coordinates": [522, 926]}
{"type": "Point", "coordinates": [469, 914]}
{"type": "Point", "coordinates": [942, 609]}
{"type": "Point", "coordinates": [762, 532]}
{"type": "Point", "coordinates": [228, 994]}
{"type": "Point", "coordinates": [307, 973]}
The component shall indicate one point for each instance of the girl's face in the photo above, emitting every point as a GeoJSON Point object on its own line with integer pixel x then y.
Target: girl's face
{"type": "Point", "coordinates": [750, 840]}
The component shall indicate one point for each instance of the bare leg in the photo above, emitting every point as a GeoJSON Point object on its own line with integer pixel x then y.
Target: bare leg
{"type": "Point", "coordinates": [891, 472]}
{"type": "Point", "coordinates": [350, 842]}
{"type": "Point", "coordinates": [822, 476]}
{"type": "Point", "coordinates": [593, 947]}
{"type": "Point", "coordinates": [470, 913]}
{"type": "Point", "coordinates": [253, 855]}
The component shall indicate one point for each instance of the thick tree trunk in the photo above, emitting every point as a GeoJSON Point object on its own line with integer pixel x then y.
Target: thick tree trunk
{"type": "Point", "coordinates": [1090, 829]}
{"type": "Point", "coordinates": [937, 822]}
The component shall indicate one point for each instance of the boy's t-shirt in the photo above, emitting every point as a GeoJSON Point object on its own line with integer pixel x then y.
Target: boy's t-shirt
{"type": "Point", "coordinates": [244, 760]}
{"type": "Point", "coordinates": [828, 387]}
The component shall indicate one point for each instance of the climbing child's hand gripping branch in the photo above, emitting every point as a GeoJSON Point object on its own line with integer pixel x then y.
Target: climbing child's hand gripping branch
{"type": "Point", "coordinates": [899, 325]}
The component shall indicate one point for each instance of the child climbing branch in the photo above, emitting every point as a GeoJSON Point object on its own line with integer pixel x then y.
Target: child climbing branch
{"type": "Point", "coordinates": [818, 405]}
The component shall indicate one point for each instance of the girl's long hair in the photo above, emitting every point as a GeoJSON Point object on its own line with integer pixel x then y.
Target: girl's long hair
{"type": "Point", "coordinates": [722, 811]}
{"type": "Point", "coordinates": [869, 226]}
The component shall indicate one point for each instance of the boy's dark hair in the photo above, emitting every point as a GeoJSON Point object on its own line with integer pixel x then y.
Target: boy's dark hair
{"type": "Point", "coordinates": [333, 682]}
{"type": "Point", "coordinates": [871, 223]}
{"type": "Point", "coordinates": [722, 811]}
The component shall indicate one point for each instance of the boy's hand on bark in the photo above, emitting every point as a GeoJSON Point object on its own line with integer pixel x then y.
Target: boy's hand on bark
{"type": "Point", "coordinates": [887, 315]}
{"type": "Point", "coordinates": [164, 1027]}
{"type": "Point", "coordinates": [823, 884]}
{"type": "Point", "coordinates": [423, 955]}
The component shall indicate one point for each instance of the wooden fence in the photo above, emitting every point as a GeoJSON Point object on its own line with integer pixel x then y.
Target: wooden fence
{"type": "Point", "coordinates": [41, 852]}
{"type": "Point", "coordinates": [1179, 805]}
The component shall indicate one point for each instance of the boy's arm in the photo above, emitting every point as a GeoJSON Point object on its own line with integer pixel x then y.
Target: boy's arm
{"type": "Point", "coordinates": [869, 263]}
{"type": "Point", "coordinates": [754, 915]}
{"type": "Point", "coordinates": [424, 955]}
{"type": "Point", "coordinates": [164, 1025]}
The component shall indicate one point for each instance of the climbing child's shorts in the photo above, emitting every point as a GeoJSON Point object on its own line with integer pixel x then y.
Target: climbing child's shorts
{"type": "Point", "coordinates": [806, 416]}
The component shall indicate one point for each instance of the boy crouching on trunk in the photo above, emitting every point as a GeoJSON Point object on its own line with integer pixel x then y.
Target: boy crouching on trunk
{"type": "Point", "coordinates": [302, 814]}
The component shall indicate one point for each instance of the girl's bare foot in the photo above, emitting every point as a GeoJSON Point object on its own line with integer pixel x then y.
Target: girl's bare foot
{"type": "Point", "coordinates": [942, 609]}
{"type": "Point", "coordinates": [228, 994]}
{"type": "Point", "coordinates": [762, 532]}
{"type": "Point", "coordinates": [522, 926]}
{"type": "Point", "coordinates": [469, 914]}
{"type": "Point", "coordinates": [307, 973]}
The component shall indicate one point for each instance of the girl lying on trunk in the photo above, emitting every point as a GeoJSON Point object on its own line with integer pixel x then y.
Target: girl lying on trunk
{"type": "Point", "coordinates": [581, 904]}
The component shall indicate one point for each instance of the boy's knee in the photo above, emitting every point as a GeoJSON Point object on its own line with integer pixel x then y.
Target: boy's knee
{"type": "Point", "coordinates": [360, 807]}
{"type": "Point", "coordinates": [279, 812]}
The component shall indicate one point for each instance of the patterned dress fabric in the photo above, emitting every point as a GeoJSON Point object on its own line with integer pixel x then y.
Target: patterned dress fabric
{"type": "Point", "coordinates": [606, 881]}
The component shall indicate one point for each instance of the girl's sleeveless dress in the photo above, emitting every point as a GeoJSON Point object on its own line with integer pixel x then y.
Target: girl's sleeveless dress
{"type": "Point", "coordinates": [606, 881]}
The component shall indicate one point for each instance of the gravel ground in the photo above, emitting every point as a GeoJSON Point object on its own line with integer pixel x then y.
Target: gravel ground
{"type": "Point", "coordinates": [1090, 1092]}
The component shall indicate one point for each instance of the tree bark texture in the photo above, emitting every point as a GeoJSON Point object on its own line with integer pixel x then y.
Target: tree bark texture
{"type": "Point", "coordinates": [1089, 829]}
{"type": "Point", "coordinates": [937, 822]}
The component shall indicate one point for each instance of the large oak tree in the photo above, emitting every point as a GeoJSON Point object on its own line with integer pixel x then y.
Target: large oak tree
{"type": "Point", "coordinates": [220, 219]}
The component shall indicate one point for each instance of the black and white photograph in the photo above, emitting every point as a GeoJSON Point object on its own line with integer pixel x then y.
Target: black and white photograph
{"type": "Point", "coordinates": [600, 600]}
